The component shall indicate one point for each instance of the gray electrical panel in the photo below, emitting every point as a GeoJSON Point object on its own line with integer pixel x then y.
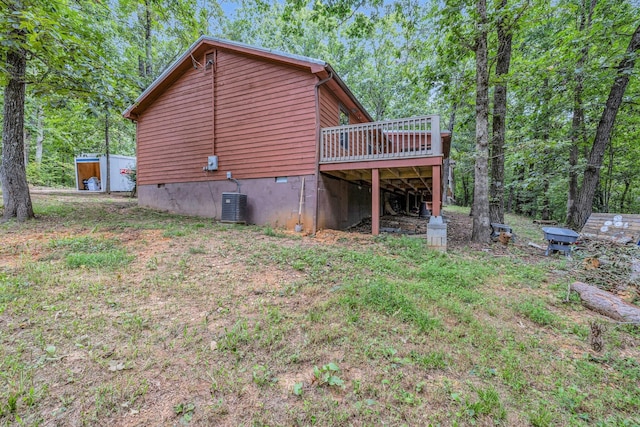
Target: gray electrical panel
{"type": "Point", "coordinates": [212, 163]}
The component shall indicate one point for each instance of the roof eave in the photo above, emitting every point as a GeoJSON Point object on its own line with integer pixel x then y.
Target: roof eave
{"type": "Point", "coordinates": [347, 91]}
{"type": "Point", "coordinates": [128, 113]}
{"type": "Point", "coordinates": [313, 65]}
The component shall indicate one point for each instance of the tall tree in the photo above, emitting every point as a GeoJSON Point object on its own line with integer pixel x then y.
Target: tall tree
{"type": "Point", "coordinates": [503, 60]}
{"type": "Point", "coordinates": [584, 203]}
{"type": "Point", "coordinates": [43, 43]}
{"type": "Point", "coordinates": [481, 221]}
{"type": "Point", "coordinates": [578, 132]}
{"type": "Point", "coordinates": [17, 200]}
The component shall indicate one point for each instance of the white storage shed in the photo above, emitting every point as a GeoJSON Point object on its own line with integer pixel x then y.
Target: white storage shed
{"type": "Point", "coordinates": [91, 172]}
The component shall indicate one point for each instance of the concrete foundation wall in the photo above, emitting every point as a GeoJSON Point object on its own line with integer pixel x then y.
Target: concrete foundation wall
{"type": "Point", "coordinates": [268, 202]}
{"type": "Point", "coordinates": [342, 204]}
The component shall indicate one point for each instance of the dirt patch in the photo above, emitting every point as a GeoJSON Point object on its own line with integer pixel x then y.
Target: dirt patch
{"type": "Point", "coordinates": [459, 227]}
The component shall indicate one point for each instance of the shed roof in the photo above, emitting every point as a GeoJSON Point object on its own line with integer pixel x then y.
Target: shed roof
{"type": "Point", "coordinates": [316, 66]}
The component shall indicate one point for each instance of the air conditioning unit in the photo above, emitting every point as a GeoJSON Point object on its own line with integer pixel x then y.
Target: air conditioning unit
{"type": "Point", "coordinates": [234, 208]}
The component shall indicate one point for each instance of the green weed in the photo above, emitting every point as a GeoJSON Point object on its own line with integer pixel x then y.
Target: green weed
{"type": "Point", "coordinates": [87, 244]}
{"type": "Point", "coordinates": [271, 232]}
{"type": "Point", "coordinates": [91, 252]}
{"type": "Point", "coordinates": [108, 260]}
{"type": "Point", "coordinates": [390, 299]}
{"type": "Point", "coordinates": [185, 412]}
{"type": "Point", "coordinates": [328, 375]}
{"type": "Point", "coordinates": [233, 339]}
{"type": "Point", "coordinates": [420, 337]}
{"type": "Point", "coordinates": [536, 311]}
{"type": "Point", "coordinates": [197, 250]}
{"type": "Point", "coordinates": [174, 232]}
{"type": "Point", "coordinates": [262, 376]}
{"type": "Point", "coordinates": [430, 360]}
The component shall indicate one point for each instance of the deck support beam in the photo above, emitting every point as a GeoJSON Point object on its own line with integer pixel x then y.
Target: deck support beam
{"type": "Point", "coordinates": [436, 194]}
{"type": "Point", "coordinates": [406, 201]}
{"type": "Point", "coordinates": [375, 202]}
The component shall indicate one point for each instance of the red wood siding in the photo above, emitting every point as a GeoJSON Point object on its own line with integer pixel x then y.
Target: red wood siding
{"type": "Point", "coordinates": [265, 120]}
{"type": "Point", "coordinates": [330, 117]}
{"type": "Point", "coordinates": [175, 133]}
{"type": "Point", "coordinates": [264, 123]}
{"type": "Point", "coordinates": [330, 110]}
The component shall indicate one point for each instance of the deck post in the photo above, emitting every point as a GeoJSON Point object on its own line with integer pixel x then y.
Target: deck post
{"type": "Point", "coordinates": [436, 192]}
{"type": "Point", "coordinates": [406, 201]}
{"type": "Point", "coordinates": [436, 136]}
{"type": "Point", "coordinates": [375, 202]}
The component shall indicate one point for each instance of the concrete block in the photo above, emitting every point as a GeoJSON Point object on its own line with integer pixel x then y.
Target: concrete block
{"type": "Point", "coordinates": [437, 234]}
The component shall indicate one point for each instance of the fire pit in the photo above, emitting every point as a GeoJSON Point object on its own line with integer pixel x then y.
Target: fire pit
{"type": "Point", "coordinates": [560, 239]}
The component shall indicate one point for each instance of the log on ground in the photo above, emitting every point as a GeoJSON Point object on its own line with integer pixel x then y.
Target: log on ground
{"type": "Point", "coordinates": [606, 303]}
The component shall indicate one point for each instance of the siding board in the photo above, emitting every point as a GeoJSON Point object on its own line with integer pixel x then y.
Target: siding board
{"type": "Point", "coordinates": [264, 122]}
{"type": "Point", "coordinates": [176, 129]}
{"type": "Point", "coordinates": [329, 109]}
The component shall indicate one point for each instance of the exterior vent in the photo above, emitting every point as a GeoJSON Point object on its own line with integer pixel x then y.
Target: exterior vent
{"type": "Point", "coordinates": [234, 208]}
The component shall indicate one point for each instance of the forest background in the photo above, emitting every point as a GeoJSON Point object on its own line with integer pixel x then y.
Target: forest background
{"type": "Point", "coordinates": [86, 61]}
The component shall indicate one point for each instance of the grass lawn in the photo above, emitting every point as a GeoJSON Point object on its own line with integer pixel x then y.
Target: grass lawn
{"type": "Point", "coordinates": [116, 315]}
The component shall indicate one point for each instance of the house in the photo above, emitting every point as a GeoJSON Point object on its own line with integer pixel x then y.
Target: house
{"type": "Point", "coordinates": [285, 131]}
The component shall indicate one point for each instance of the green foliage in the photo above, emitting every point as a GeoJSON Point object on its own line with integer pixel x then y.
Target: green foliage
{"type": "Point", "coordinates": [392, 300]}
{"type": "Point", "coordinates": [262, 376]}
{"type": "Point", "coordinates": [328, 375]}
{"type": "Point", "coordinates": [54, 173]}
{"type": "Point", "coordinates": [91, 252]}
{"type": "Point", "coordinates": [185, 412]}
{"type": "Point", "coordinates": [399, 58]}
{"type": "Point", "coordinates": [536, 311]}
{"type": "Point", "coordinates": [233, 339]}
{"type": "Point", "coordinates": [84, 244]}
{"type": "Point", "coordinates": [298, 389]}
{"type": "Point", "coordinates": [430, 360]}
{"type": "Point", "coordinates": [109, 260]}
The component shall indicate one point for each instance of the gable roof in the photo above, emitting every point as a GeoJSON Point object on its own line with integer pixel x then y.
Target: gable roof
{"type": "Point", "coordinates": [315, 66]}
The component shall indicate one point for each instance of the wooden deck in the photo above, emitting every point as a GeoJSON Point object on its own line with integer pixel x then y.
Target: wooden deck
{"type": "Point", "coordinates": [402, 156]}
{"type": "Point", "coordinates": [416, 137]}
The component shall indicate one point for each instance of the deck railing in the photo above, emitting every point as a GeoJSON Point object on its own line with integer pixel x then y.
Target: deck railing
{"type": "Point", "coordinates": [391, 139]}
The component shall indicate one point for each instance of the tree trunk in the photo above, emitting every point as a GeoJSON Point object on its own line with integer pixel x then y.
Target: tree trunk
{"type": "Point", "coordinates": [573, 175]}
{"type": "Point", "coordinates": [465, 190]}
{"type": "Point", "coordinates": [107, 179]}
{"type": "Point", "coordinates": [503, 60]}
{"type": "Point", "coordinates": [147, 40]}
{"type": "Point", "coordinates": [543, 133]}
{"type": "Point", "coordinates": [145, 63]}
{"type": "Point", "coordinates": [39, 133]}
{"type": "Point", "coordinates": [519, 196]}
{"type": "Point", "coordinates": [26, 138]}
{"type": "Point", "coordinates": [578, 133]}
{"type": "Point", "coordinates": [609, 180]}
{"type": "Point", "coordinates": [627, 184]}
{"type": "Point", "coordinates": [446, 166]}
{"type": "Point", "coordinates": [603, 136]}
{"type": "Point", "coordinates": [14, 178]}
{"type": "Point", "coordinates": [606, 303]}
{"type": "Point", "coordinates": [481, 223]}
